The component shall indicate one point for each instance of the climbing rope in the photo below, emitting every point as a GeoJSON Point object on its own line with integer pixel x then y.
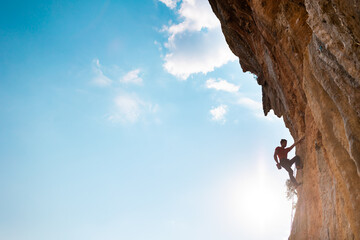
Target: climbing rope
{"type": "Point", "coordinates": [293, 204]}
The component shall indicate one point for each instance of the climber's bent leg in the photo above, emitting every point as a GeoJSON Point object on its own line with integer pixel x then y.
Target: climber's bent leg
{"type": "Point", "coordinates": [297, 162]}
{"type": "Point", "coordinates": [285, 163]}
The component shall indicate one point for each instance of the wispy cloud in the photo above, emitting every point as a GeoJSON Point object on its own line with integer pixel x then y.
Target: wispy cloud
{"type": "Point", "coordinates": [256, 108]}
{"type": "Point", "coordinates": [196, 44]}
{"type": "Point", "coordinates": [218, 113]}
{"type": "Point", "coordinates": [129, 109]}
{"type": "Point", "coordinates": [103, 75]}
{"type": "Point", "coordinates": [221, 85]}
{"type": "Point", "coordinates": [99, 79]}
{"type": "Point", "coordinates": [126, 108]}
{"type": "Point", "coordinates": [170, 3]}
{"type": "Point", "coordinates": [132, 77]}
{"type": "Point", "coordinates": [232, 97]}
{"type": "Point", "coordinates": [249, 103]}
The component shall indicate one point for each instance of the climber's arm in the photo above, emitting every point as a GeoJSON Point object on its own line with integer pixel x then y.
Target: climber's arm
{"type": "Point", "coordinates": [276, 159]}
{"type": "Point", "coordinates": [275, 156]}
{"type": "Point", "coordinates": [295, 143]}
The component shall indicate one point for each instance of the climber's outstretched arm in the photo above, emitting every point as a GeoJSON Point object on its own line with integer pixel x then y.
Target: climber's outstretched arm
{"type": "Point", "coordinates": [295, 143]}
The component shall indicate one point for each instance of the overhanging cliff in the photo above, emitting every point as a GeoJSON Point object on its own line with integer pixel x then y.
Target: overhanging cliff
{"type": "Point", "coordinates": [306, 55]}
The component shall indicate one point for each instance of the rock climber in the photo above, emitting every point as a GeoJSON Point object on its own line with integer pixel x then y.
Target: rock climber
{"type": "Point", "coordinates": [281, 159]}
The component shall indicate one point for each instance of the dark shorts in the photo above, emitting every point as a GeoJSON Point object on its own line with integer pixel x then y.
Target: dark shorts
{"type": "Point", "coordinates": [286, 163]}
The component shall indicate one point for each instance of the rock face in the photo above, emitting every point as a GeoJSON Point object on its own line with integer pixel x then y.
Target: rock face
{"type": "Point", "coordinates": [306, 55]}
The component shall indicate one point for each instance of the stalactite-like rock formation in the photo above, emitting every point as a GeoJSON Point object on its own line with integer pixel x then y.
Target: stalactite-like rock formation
{"type": "Point", "coordinates": [306, 55]}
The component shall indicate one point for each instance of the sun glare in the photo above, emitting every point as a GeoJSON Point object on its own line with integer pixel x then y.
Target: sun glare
{"type": "Point", "coordinates": [258, 203]}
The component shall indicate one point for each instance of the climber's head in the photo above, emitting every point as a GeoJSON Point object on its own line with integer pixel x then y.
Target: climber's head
{"type": "Point", "coordinates": [283, 142]}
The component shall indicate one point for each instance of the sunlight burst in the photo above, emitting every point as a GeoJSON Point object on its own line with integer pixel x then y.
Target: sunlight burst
{"type": "Point", "coordinates": [257, 203]}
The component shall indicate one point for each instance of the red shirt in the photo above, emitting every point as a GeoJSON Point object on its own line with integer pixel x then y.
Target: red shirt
{"type": "Point", "coordinates": [282, 152]}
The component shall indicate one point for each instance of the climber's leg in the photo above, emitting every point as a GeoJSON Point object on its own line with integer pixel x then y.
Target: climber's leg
{"type": "Point", "coordinates": [297, 162]}
{"type": "Point", "coordinates": [286, 164]}
{"type": "Point", "coordinates": [291, 175]}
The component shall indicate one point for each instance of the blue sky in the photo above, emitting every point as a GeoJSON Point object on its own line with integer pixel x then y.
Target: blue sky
{"type": "Point", "coordinates": [132, 120]}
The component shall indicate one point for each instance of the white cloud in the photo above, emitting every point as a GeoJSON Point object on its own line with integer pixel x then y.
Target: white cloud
{"type": "Point", "coordinates": [130, 109]}
{"type": "Point", "coordinates": [170, 3]}
{"type": "Point", "coordinates": [221, 85]}
{"type": "Point", "coordinates": [197, 14]}
{"type": "Point", "coordinates": [218, 113]}
{"type": "Point", "coordinates": [256, 108]}
{"type": "Point", "coordinates": [100, 79]}
{"type": "Point", "coordinates": [249, 103]}
{"type": "Point", "coordinates": [132, 77]}
{"type": "Point", "coordinates": [196, 44]}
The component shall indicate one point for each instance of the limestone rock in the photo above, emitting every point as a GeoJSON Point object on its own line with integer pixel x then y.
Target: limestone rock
{"type": "Point", "coordinates": [306, 55]}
